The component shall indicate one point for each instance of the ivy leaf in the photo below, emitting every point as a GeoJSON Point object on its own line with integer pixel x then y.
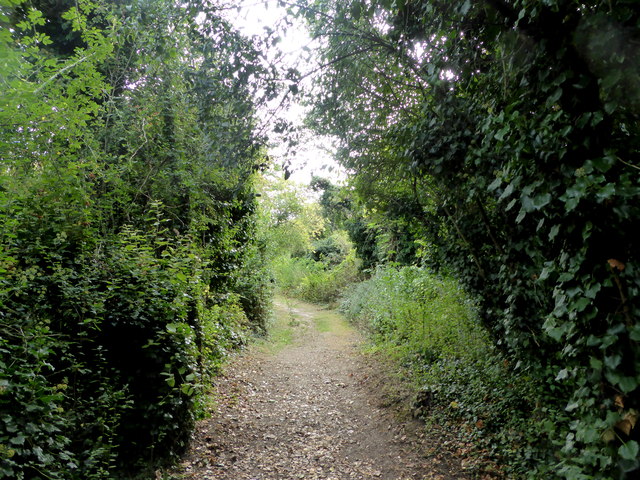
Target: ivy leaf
{"type": "Point", "coordinates": [612, 78]}
{"type": "Point", "coordinates": [554, 97]}
{"type": "Point", "coordinates": [545, 273]}
{"type": "Point", "coordinates": [541, 200]}
{"type": "Point", "coordinates": [495, 184]}
{"type": "Point", "coordinates": [603, 164]}
{"type": "Point", "coordinates": [528, 205]}
{"type": "Point", "coordinates": [501, 133]}
{"type": "Point", "coordinates": [629, 451]}
{"type": "Point", "coordinates": [19, 439]}
{"type": "Point", "coordinates": [571, 406]}
{"type": "Point", "coordinates": [606, 192]}
{"type": "Point", "coordinates": [582, 304]}
{"type": "Point", "coordinates": [612, 361]}
{"type": "Point", "coordinates": [627, 384]}
{"type": "Point", "coordinates": [507, 192]}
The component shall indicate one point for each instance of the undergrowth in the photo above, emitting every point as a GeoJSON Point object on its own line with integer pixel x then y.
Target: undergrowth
{"type": "Point", "coordinates": [429, 324]}
{"type": "Point", "coordinates": [315, 281]}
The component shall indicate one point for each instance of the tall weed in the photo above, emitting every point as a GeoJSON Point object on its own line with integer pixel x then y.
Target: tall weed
{"type": "Point", "coordinates": [430, 324]}
{"type": "Point", "coordinates": [315, 281]}
{"type": "Point", "coordinates": [429, 317]}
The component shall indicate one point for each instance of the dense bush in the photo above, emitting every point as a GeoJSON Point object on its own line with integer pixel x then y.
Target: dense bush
{"type": "Point", "coordinates": [315, 281]}
{"type": "Point", "coordinates": [128, 267]}
{"type": "Point", "coordinates": [506, 136]}
{"type": "Point", "coordinates": [430, 316]}
{"type": "Point", "coordinates": [310, 258]}
{"type": "Point", "coordinates": [331, 250]}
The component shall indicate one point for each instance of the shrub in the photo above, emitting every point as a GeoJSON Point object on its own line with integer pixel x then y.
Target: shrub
{"type": "Point", "coordinates": [429, 316]}
{"type": "Point", "coordinates": [104, 352]}
{"type": "Point", "coordinates": [430, 324]}
{"type": "Point", "coordinates": [127, 259]}
{"type": "Point", "coordinates": [315, 281]}
{"type": "Point", "coordinates": [332, 250]}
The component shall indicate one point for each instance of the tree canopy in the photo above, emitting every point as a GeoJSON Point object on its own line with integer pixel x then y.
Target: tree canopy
{"type": "Point", "coordinates": [128, 265]}
{"type": "Point", "coordinates": [504, 135]}
{"type": "Point", "coordinates": [497, 141]}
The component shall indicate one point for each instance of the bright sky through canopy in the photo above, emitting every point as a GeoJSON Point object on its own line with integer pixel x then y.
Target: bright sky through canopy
{"type": "Point", "coordinates": [314, 155]}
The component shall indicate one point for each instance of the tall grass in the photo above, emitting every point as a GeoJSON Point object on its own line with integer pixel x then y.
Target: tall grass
{"type": "Point", "coordinates": [430, 324]}
{"type": "Point", "coordinates": [315, 281]}
{"type": "Point", "coordinates": [428, 317]}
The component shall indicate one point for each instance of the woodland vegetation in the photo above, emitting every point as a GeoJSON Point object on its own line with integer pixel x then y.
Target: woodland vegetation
{"type": "Point", "coordinates": [485, 234]}
{"type": "Point", "coordinates": [497, 142]}
{"type": "Point", "coordinates": [128, 259]}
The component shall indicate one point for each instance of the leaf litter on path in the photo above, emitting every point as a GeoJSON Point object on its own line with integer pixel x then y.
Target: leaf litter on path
{"type": "Point", "coordinates": [314, 409]}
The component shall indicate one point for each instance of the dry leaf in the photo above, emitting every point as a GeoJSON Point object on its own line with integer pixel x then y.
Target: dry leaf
{"type": "Point", "coordinates": [628, 422]}
{"type": "Point", "coordinates": [608, 435]}
{"type": "Point", "coordinates": [616, 264]}
{"type": "Point", "coordinates": [632, 417]}
{"type": "Point", "coordinates": [624, 426]}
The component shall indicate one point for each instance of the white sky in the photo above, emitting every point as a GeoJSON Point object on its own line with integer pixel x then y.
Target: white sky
{"type": "Point", "coordinates": [314, 155]}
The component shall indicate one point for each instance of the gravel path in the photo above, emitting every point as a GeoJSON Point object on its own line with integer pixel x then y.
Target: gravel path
{"type": "Point", "coordinates": [309, 405]}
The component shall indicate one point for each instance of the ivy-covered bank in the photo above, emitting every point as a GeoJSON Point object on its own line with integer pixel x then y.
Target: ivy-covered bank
{"type": "Point", "coordinates": [129, 259]}
{"type": "Point", "coordinates": [499, 141]}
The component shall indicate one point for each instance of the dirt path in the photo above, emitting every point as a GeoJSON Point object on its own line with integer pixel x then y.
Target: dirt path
{"type": "Point", "coordinates": [309, 405]}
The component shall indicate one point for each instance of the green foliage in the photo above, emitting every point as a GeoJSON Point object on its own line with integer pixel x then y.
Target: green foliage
{"type": "Point", "coordinates": [331, 250]}
{"type": "Point", "coordinates": [128, 266]}
{"type": "Point", "coordinates": [498, 132]}
{"type": "Point", "coordinates": [308, 259]}
{"type": "Point", "coordinates": [312, 281]}
{"type": "Point", "coordinates": [431, 326]}
{"type": "Point", "coordinates": [336, 202]}
{"type": "Point", "coordinates": [290, 217]}
{"type": "Point", "coordinates": [429, 316]}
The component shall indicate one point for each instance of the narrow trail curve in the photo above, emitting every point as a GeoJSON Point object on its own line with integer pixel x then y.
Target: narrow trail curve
{"type": "Point", "coordinates": [309, 406]}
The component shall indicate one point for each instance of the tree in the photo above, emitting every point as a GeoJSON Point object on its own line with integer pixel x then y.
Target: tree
{"type": "Point", "coordinates": [127, 202]}
{"type": "Point", "coordinates": [291, 217]}
{"type": "Point", "coordinates": [513, 127]}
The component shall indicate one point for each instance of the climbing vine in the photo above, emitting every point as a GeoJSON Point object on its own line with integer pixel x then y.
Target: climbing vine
{"type": "Point", "coordinates": [509, 131]}
{"type": "Point", "coordinates": [126, 224]}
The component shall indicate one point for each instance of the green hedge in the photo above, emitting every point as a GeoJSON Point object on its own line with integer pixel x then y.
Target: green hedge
{"type": "Point", "coordinates": [128, 265]}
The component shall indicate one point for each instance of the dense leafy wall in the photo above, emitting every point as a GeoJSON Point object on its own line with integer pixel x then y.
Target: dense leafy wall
{"type": "Point", "coordinates": [506, 133]}
{"type": "Point", "coordinates": [127, 263]}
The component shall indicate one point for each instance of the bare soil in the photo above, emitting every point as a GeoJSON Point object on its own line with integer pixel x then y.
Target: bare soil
{"type": "Point", "coordinates": [310, 404]}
